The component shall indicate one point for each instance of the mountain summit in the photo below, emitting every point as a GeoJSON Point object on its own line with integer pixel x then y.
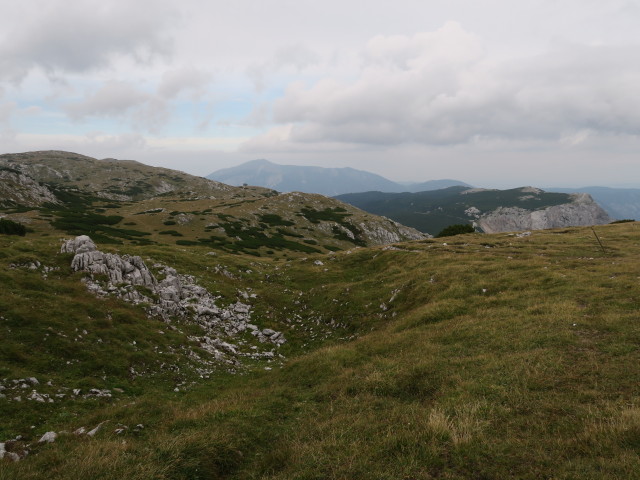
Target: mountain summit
{"type": "Point", "coordinates": [326, 181]}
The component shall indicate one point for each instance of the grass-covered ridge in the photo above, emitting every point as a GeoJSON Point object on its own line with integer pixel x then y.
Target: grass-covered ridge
{"type": "Point", "coordinates": [434, 210]}
{"type": "Point", "coordinates": [490, 356]}
{"type": "Point", "coordinates": [77, 195]}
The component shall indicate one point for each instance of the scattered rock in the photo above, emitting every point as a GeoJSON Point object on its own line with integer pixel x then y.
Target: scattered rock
{"type": "Point", "coordinates": [93, 432]}
{"type": "Point", "coordinates": [48, 437]}
{"type": "Point", "coordinates": [174, 295]}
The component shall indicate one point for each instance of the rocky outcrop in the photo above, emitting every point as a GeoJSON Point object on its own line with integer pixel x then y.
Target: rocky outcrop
{"type": "Point", "coordinates": [19, 189]}
{"type": "Point", "coordinates": [79, 244]}
{"type": "Point", "coordinates": [582, 211]}
{"type": "Point", "coordinates": [377, 233]}
{"type": "Point", "coordinates": [227, 333]}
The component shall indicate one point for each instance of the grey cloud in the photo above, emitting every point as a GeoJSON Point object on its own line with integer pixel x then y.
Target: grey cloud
{"type": "Point", "coordinates": [152, 116]}
{"type": "Point", "coordinates": [6, 111]}
{"type": "Point", "coordinates": [439, 88]}
{"type": "Point", "coordinates": [186, 79]}
{"type": "Point", "coordinates": [115, 98]}
{"type": "Point", "coordinates": [81, 36]}
{"type": "Point", "coordinates": [296, 56]}
{"type": "Point", "coordinates": [114, 143]}
{"type": "Point", "coordinates": [122, 100]}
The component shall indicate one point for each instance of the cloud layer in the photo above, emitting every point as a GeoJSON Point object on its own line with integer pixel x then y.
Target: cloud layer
{"type": "Point", "coordinates": [80, 36]}
{"type": "Point", "coordinates": [441, 88]}
{"type": "Point", "coordinates": [398, 87]}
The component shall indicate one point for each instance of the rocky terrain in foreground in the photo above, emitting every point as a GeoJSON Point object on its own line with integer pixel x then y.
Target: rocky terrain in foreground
{"type": "Point", "coordinates": [175, 295]}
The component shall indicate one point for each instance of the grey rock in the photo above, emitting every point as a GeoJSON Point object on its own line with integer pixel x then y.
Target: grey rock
{"type": "Point", "coordinates": [22, 189]}
{"type": "Point", "coordinates": [176, 295]}
{"type": "Point", "coordinates": [80, 244]}
{"type": "Point", "coordinates": [582, 211]}
{"type": "Point", "coordinates": [93, 432]}
{"type": "Point", "coordinates": [48, 437]}
{"type": "Point", "coordinates": [241, 308]}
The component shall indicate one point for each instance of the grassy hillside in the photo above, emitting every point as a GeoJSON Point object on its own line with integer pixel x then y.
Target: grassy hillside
{"type": "Point", "coordinates": [127, 202]}
{"type": "Point", "coordinates": [484, 357]}
{"type": "Point", "coordinates": [108, 178]}
{"type": "Point", "coordinates": [432, 211]}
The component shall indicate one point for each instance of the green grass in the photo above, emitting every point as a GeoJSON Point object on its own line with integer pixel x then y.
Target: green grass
{"type": "Point", "coordinates": [82, 222]}
{"type": "Point", "coordinates": [487, 357]}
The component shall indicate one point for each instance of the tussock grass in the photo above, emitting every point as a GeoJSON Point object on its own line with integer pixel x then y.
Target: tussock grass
{"type": "Point", "coordinates": [488, 357]}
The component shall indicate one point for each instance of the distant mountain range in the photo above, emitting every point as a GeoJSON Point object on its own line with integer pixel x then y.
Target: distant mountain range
{"type": "Point", "coordinates": [619, 203]}
{"type": "Point", "coordinates": [326, 181]}
{"type": "Point", "coordinates": [491, 211]}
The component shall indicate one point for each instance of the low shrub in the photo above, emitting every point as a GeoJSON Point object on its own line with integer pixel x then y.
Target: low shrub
{"type": "Point", "coordinates": [456, 229]}
{"type": "Point", "coordinates": [9, 227]}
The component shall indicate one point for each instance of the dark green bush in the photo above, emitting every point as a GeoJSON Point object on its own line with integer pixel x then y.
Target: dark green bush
{"type": "Point", "coordinates": [456, 229]}
{"type": "Point", "coordinates": [9, 227]}
{"type": "Point", "coordinates": [626, 220]}
{"type": "Point", "coordinates": [274, 220]}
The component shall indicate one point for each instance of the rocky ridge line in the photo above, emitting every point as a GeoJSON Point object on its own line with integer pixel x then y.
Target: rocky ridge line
{"type": "Point", "coordinates": [582, 211]}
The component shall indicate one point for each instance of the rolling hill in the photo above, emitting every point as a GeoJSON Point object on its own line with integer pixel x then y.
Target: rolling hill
{"type": "Point", "coordinates": [125, 201]}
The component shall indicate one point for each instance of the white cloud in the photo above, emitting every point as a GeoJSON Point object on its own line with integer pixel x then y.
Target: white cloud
{"type": "Point", "coordinates": [115, 98]}
{"type": "Point", "coordinates": [182, 80]}
{"type": "Point", "coordinates": [296, 57]}
{"type": "Point", "coordinates": [6, 111]}
{"type": "Point", "coordinates": [80, 36]}
{"type": "Point", "coordinates": [440, 88]}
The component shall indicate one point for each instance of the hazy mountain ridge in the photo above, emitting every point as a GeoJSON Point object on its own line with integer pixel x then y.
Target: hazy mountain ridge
{"type": "Point", "coordinates": [619, 203]}
{"type": "Point", "coordinates": [326, 181]}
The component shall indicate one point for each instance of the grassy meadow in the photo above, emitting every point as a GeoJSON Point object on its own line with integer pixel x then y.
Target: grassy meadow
{"type": "Point", "coordinates": [469, 357]}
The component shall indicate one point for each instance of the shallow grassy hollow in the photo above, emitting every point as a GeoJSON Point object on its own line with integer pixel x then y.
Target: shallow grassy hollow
{"type": "Point", "coordinates": [476, 356]}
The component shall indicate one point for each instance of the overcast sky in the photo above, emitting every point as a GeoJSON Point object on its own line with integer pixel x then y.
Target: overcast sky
{"type": "Point", "coordinates": [496, 93]}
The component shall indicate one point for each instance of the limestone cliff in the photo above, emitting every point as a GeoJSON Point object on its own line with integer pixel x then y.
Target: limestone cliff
{"type": "Point", "coordinates": [17, 188]}
{"type": "Point", "coordinates": [582, 211]}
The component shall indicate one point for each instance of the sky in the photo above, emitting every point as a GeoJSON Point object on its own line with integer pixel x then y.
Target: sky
{"type": "Point", "coordinates": [494, 93]}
